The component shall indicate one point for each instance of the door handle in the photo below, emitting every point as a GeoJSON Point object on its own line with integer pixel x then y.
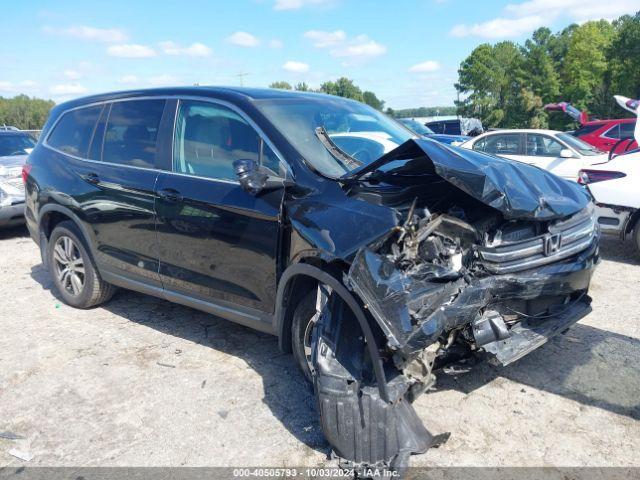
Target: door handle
{"type": "Point", "coordinates": [170, 195]}
{"type": "Point", "coordinates": [91, 178]}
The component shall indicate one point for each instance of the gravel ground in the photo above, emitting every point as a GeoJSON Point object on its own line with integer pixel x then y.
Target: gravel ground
{"type": "Point", "coordinates": [143, 382]}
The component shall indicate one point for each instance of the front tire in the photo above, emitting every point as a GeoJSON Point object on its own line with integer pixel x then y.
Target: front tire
{"type": "Point", "coordinates": [636, 237]}
{"type": "Point", "coordinates": [72, 269]}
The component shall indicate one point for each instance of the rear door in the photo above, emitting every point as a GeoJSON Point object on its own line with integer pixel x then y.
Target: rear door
{"type": "Point", "coordinates": [118, 200]}
{"type": "Point", "coordinates": [217, 242]}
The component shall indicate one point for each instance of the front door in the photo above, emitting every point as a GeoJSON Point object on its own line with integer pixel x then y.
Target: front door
{"type": "Point", "coordinates": [217, 242]}
{"type": "Point", "coordinates": [544, 152]}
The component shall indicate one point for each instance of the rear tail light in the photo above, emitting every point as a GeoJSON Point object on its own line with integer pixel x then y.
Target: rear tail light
{"type": "Point", "coordinates": [25, 173]}
{"type": "Point", "coordinates": [586, 177]}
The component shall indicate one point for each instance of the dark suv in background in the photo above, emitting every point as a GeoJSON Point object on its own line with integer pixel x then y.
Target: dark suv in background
{"type": "Point", "coordinates": [376, 257]}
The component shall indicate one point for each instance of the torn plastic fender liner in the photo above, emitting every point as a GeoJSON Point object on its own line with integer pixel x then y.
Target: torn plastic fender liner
{"type": "Point", "coordinates": [363, 429]}
{"type": "Point", "coordinates": [413, 311]}
{"type": "Point", "coordinates": [518, 190]}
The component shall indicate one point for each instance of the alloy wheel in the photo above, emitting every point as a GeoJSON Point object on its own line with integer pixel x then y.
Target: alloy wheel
{"type": "Point", "coordinates": [69, 265]}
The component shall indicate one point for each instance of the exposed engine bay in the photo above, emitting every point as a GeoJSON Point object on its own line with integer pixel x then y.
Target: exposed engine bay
{"type": "Point", "coordinates": [460, 276]}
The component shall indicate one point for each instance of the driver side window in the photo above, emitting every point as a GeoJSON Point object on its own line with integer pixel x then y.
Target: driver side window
{"type": "Point", "coordinates": [542, 146]}
{"type": "Point", "coordinates": [210, 137]}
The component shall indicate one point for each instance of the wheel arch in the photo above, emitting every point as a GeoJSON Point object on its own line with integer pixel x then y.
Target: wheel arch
{"type": "Point", "coordinates": [306, 274]}
{"type": "Point", "coordinates": [49, 217]}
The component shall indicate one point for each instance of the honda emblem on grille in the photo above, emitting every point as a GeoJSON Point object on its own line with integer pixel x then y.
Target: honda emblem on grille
{"type": "Point", "coordinates": [552, 243]}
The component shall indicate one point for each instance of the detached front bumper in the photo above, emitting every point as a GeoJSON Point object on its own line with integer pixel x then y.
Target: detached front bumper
{"type": "Point", "coordinates": [415, 311]}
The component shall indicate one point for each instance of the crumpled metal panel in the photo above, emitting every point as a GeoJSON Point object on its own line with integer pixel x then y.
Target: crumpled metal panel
{"type": "Point", "coordinates": [517, 190]}
{"type": "Point", "coordinates": [413, 311]}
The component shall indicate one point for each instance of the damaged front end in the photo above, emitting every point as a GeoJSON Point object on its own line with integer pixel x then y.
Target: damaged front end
{"type": "Point", "coordinates": [489, 258]}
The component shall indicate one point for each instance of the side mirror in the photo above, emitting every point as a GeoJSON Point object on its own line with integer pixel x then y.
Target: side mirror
{"type": "Point", "coordinates": [566, 153]}
{"type": "Point", "coordinates": [253, 180]}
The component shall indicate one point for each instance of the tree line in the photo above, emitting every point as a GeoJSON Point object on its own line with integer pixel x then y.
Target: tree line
{"type": "Point", "coordinates": [507, 85]}
{"type": "Point", "coordinates": [24, 112]}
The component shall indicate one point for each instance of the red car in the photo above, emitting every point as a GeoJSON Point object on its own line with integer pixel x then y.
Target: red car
{"type": "Point", "coordinates": [602, 134]}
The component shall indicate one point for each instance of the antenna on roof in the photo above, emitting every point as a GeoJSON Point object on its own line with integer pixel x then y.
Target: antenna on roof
{"type": "Point", "coordinates": [241, 75]}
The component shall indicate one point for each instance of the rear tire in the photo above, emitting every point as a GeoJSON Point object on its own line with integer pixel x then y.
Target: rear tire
{"type": "Point", "coordinates": [73, 270]}
{"type": "Point", "coordinates": [636, 237]}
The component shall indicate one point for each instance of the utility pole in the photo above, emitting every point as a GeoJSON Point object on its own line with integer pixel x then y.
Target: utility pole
{"type": "Point", "coordinates": [241, 75]}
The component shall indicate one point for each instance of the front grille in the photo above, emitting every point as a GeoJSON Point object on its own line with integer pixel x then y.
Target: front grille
{"type": "Point", "coordinates": [564, 239]}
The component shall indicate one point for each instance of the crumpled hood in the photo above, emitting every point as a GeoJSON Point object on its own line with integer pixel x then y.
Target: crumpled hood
{"type": "Point", "coordinates": [518, 190]}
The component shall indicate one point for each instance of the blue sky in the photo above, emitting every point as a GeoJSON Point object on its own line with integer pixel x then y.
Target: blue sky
{"type": "Point", "coordinates": [406, 51]}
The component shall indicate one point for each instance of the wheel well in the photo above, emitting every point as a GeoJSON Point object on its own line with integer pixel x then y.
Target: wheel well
{"type": "Point", "coordinates": [50, 220]}
{"type": "Point", "coordinates": [293, 292]}
{"type": "Point", "coordinates": [632, 222]}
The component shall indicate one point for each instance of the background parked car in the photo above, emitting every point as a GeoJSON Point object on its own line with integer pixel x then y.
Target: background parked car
{"type": "Point", "coordinates": [424, 131]}
{"type": "Point", "coordinates": [614, 186]}
{"type": "Point", "coordinates": [14, 149]}
{"type": "Point", "coordinates": [456, 126]}
{"type": "Point", "coordinates": [558, 152]}
{"type": "Point", "coordinates": [602, 134]}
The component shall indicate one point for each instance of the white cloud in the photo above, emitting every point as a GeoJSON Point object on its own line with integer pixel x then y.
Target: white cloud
{"type": "Point", "coordinates": [295, 67]}
{"type": "Point", "coordinates": [577, 10]}
{"type": "Point", "coordinates": [84, 32]}
{"type": "Point", "coordinates": [67, 89]}
{"type": "Point", "coordinates": [29, 83]}
{"type": "Point", "coordinates": [128, 79]}
{"type": "Point", "coordinates": [523, 17]}
{"type": "Point", "coordinates": [72, 74]}
{"type": "Point", "coordinates": [500, 27]}
{"type": "Point", "coordinates": [355, 50]}
{"type": "Point", "coordinates": [360, 49]}
{"type": "Point", "coordinates": [243, 39]}
{"type": "Point", "coordinates": [131, 50]}
{"type": "Point", "coordinates": [425, 67]}
{"type": "Point", "coordinates": [193, 50]}
{"type": "Point", "coordinates": [6, 86]}
{"type": "Point", "coordinates": [298, 4]}
{"type": "Point", "coordinates": [322, 39]}
{"type": "Point", "coordinates": [276, 43]}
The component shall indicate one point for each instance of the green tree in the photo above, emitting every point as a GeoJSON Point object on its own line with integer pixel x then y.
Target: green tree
{"type": "Point", "coordinates": [343, 87]}
{"type": "Point", "coordinates": [488, 84]}
{"type": "Point", "coordinates": [624, 56]}
{"type": "Point", "coordinates": [370, 99]}
{"type": "Point", "coordinates": [586, 70]}
{"type": "Point", "coordinates": [24, 112]}
{"type": "Point", "coordinates": [302, 87]}
{"type": "Point", "coordinates": [538, 69]}
{"type": "Point", "coordinates": [281, 85]}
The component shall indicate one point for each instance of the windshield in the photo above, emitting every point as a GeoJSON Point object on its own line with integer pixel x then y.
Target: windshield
{"type": "Point", "coordinates": [583, 148]}
{"type": "Point", "coordinates": [18, 144]}
{"type": "Point", "coordinates": [357, 129]}
{"type": "Point", "coordinates": [416, 126]}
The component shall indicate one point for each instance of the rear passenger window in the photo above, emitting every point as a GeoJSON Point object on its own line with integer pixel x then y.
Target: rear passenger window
{"type": "Point", "coordinates": [132, 132]}
{"type": "Point", "coordinates": [502, 144]}
{"type": "Point", "coordinates": [210, 137]}
{"type": "Point", "coordinates": [73, 131]}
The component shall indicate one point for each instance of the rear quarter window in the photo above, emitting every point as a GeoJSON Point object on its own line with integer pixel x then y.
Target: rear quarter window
{"type": "Point", "coordinates": [72, 134]}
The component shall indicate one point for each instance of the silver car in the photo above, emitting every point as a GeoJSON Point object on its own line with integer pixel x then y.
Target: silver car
{"type": "Point", "coordinates": [14, 149]}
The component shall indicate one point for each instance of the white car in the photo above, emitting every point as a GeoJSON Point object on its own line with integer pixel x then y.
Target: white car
{"type": "Point", "coordinates": [557, 152]}
{"type": "Point", "coordinates": [614, 187]}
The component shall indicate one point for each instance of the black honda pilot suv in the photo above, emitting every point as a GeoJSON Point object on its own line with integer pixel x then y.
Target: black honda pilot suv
{"type": "Point", "coordinates": [376, 257]}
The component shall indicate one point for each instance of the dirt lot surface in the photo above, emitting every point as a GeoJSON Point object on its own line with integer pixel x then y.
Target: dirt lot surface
{"type": "Point", "coordinates": [142, 382]}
